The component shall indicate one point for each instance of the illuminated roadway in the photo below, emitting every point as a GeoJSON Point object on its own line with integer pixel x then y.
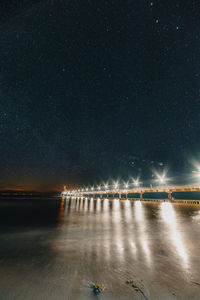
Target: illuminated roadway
{"type": "Point", "coordinates": [168, 189]}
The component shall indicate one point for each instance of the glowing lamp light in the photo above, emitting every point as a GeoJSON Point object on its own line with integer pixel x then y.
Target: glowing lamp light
{"type": "Point", "coordinates": [116, 185]}
{"type": "Point", "coordinates": [126, 185]}
{"type": "Point", "coordinates": [197, 173]}
{"type": "Point", "coordinates": [106, 186]}
{"type": "Point", "coordinates": [136, 182]}
{"type": "Point", "coordinates": [161, 178]}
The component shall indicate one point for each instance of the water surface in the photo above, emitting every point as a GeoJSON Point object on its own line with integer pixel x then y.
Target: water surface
{"type": "Point", "coordinates": [53, 249]}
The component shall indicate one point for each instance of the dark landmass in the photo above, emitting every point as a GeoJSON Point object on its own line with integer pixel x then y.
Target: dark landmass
{"type": "Point", "coordinates": [11, 193]}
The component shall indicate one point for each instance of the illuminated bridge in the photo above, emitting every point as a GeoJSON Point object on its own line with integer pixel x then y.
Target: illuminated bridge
{"type": "Point", "coordinates": [114, 191]}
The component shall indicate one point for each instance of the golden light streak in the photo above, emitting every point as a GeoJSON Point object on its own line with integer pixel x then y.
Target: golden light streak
{"type": "Point", "coordinates": [169, 217]}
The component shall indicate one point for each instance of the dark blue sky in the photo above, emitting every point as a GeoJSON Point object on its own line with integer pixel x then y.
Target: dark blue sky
{"type": "Point", "coordinates": [92, 90]}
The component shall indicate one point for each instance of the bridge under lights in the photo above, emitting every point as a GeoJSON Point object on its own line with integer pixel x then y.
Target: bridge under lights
{"type": "Point", "coordinates": [121, 192]}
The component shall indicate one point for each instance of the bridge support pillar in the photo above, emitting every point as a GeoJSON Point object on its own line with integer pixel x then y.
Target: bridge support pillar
{"type": "Point", "coordinates": [170, 196]}
{"type": "Point", "coordinates": [126, 196]}
{"type": "Point", "coordinates": [120, 196]}
{"type": "Point", "coordinates": [141, 196]}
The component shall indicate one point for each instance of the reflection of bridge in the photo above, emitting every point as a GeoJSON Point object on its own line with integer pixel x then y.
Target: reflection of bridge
{"type": "Point", "coordinates": [168, 189]}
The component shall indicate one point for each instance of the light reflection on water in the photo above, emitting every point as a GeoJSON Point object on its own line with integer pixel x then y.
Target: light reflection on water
{"type": "Point", "coordinates": [117, 221]}
{"type": "Point", "coordinates": [124, 230]}
{"type": "Point", "coordinates": [75, 240]}
{"type": "Point", "coordinates": [169, 217]}
{"type": "Point", "coordinates": [143, 237]}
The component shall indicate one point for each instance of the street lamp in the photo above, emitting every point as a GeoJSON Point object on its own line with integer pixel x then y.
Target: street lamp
{"type": "Point", "coordinates": [126, 185]}
{"type": "Point", "coordinates": [161, 178]}
{"type": "Point", "coordinates": [136, 182]}
{"type": "Point", "coordinates": [116, 185]}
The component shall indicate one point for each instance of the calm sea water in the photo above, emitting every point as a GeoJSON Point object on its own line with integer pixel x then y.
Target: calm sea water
{"type": "Point", "coordinates": [53, 248]}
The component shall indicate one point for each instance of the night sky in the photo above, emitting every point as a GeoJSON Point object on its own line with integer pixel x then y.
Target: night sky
{"type": "Point", "coordinates": [97, 90]}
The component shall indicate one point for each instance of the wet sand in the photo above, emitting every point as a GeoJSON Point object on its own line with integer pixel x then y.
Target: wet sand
{"type": "Point", "coordinates": [54, 249]}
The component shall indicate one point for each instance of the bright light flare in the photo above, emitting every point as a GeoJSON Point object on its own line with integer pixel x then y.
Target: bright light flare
{"type": "Point", "coordinates": [116, 184]}
{"type": "Point", "coordinates": [161, 178]}
{"type": "Point", "coordinates": [136, 182]}
{"type": "Point", "coordinates": [196, 165]}
{"type": "Point", "coordinates": [197, 173]}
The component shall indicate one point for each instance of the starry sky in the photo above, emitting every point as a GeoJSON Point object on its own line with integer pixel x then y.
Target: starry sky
{"type": "Point", "coordinates": [97, 90]}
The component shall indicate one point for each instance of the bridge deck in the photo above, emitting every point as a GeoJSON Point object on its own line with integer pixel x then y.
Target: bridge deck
{"type": "Point", "coordinates": [138, 190]}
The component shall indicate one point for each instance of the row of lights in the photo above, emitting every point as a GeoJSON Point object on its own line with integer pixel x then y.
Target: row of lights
{"type": "Point", "coordinates": [136, 182]}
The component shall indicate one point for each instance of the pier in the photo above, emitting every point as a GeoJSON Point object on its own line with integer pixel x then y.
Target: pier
{"type": "Point", "coordinates": [107, 192]}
